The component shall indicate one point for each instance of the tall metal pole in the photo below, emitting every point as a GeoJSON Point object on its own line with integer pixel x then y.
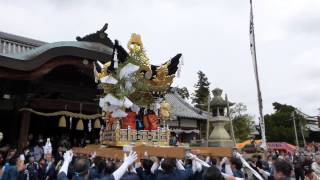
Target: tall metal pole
{"type": "Point", "coordinates": [255, 67]}
{"type": "Point", "coordinates": [295, 129]}
{"type": "Point", "coordinates": [208, 118]}
{"type": "Point", "coordinates": [231, 123]}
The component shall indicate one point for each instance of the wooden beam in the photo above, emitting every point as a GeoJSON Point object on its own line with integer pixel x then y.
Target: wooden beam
{"type": "Point", "coordinates": [212, 151]}
{"type": "Point", "coordinates": [24, 129]}
{"type": "Point", "coordinates": [46, 68]}
{"type": "Point", "coordinates": [59, 104]}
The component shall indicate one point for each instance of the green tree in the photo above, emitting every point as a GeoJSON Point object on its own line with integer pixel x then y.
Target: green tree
{"type": "Point", "coordinates": [238, 109]}
{"type": "Point", "coordinates": [202, 91]}
{"type": "Point", "coordinates": [279, 125]}
{"type": "Point", "coordinates": [183, 92]}
{"type": "Point", "coordinates": [242, 127]}
{"type": "Point", "coordinates": [242, 122]}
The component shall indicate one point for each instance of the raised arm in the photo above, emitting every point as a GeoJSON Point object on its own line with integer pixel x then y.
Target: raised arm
{"type": "Point", "coordinates": [67, 158]}
{"type": "Point", "coordinates": [127, 161]}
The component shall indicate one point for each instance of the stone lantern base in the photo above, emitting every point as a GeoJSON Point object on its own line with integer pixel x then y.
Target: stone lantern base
{"type": "Point", "coordinates": [220, 143]}
{"type": "Point", "coordinates": [219, 137]}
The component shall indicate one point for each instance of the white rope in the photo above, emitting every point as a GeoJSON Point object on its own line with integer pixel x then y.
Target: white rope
{"type": "Point", "coordinates": [65, 113]}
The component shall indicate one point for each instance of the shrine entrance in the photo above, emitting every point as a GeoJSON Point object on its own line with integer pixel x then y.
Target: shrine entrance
{"type": "Point", "coordinates": [67, 89]}
{"type": "Point", "coordinates": [48, 127]}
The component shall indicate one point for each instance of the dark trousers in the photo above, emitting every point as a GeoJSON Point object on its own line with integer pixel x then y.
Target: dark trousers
{"type": "Point", "coordinates": [299, 174]}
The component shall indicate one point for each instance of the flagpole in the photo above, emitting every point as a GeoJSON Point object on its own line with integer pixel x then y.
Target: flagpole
{"type": "Point", "coordinates": [231, 123]}
{"type": "Point", "coordinates": [255, 66]}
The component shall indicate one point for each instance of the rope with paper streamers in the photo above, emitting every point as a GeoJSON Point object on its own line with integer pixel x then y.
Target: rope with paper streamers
{"type": "Point", "coordinates": [65, 113]}
{"type": "Point", "coordinates": [62, 120]}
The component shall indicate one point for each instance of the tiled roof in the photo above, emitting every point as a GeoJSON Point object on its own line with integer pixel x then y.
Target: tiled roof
{"type": "Point", "coordinates": [21, 39]}
{"type": "Point", "coordinates": [28, 55]}
{"type": "Point", "coordinates": [181, 108]}
{"type": "Point", "coordinates": [34, 58]}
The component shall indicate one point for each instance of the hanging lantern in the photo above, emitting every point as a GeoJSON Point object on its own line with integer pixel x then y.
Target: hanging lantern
{"type": "Point", "coordinates": [97, 124]}
{"type": "Point", "coordinates": [80, 125]}
{"type": "Point", "coordinates": [62, 122]}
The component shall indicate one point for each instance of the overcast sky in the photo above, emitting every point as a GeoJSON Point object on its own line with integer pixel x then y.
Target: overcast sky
{"type": "Point", "coordinates": [212, 35]}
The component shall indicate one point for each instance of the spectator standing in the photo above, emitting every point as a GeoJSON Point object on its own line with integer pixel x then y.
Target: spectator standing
{"type": "Point", "coordinates": [298, 169]}
{"type": "Point", "coordinates": [38, 151]}
{"type": "Point", "coordinates": [316, 166]}
{"type": "Point", "coordinates": [282, 170]}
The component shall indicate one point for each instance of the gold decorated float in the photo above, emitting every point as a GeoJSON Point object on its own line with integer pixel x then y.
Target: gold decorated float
{"type": "Point", "coordinates": [132, 101]}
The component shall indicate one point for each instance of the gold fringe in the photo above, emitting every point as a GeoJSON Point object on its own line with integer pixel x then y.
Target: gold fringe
{"type": "Point", "coordinates": [80, 125]}
{"type": "Point", "coordinates": [97, 124]}
{"type": "Point", "coordinates": [62, 122]}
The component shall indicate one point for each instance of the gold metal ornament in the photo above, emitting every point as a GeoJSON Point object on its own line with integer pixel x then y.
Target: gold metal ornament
{"type": "Point", "coordinates": [162, 80]}
{"type": "Point", "coordinates": [104, 70]}
{"type": "Point", "coordinates": [165, 110]}
{"type": "Point", "coordinates": [134, 42]}
{"type": "Point", "coordinates": [137, 52]}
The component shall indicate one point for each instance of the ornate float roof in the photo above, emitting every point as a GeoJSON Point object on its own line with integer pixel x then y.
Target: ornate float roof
{"type": "Point", "coordinates": [182, 109]}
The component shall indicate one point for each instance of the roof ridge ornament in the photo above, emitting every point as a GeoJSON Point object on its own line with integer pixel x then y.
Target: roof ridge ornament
{"type": "Point", "coordinates": [100, 37]}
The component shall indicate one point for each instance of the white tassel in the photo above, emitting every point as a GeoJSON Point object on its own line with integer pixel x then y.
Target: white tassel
{"type": "Point", "coordinates": [70, 120]}
{"type": "Point", "coordinates": [95, 73]}
{"type": "Point", "coordinates": [127, 103]}
{"type": "Point", "coordinates": [115, 59]}
{"type": "Point", "coordinates": [89, 126]}
{"type": "Point", "coordinates": [101, 102]}
{"type": "Point", "coordinates": [109, 80]}
{"type": "Point", "coordinates": [127, 70]}
{"type": "Point", "coordinates": [182, 61]}
{"type": "Point", "coordinates": [179, 71]}
{"type": "Point", "coordinates": [135, 108]}
{"type": "Point", "coordinates": [109, 98]}
{"type": "Point", "coordinates": [118, 113]}
{"type": "Point", "coordinates": [100, 64]}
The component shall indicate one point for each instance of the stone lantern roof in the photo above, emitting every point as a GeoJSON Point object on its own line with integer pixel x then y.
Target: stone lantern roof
{"type": "Point", "coordinates": [218, 101]}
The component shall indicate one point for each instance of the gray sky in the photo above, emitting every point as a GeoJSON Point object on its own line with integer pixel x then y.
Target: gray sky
{"type": "Point", "coordinates": [212, 35]}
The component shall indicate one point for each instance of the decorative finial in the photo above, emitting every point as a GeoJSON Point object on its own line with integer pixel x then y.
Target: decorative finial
{"type": "Point", "coordinates": [104, 28]}
{"type": "Point", "coordinates": [217, 92]}
{"type": "Point", "coordinates": [135, 42]}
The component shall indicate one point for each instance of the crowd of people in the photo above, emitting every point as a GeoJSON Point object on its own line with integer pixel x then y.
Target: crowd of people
{"type": "Point", "coordinates": [42, 161]}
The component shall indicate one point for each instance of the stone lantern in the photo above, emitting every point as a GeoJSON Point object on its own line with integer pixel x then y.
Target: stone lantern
{"type": "Point", "coordinates": [219, 137]}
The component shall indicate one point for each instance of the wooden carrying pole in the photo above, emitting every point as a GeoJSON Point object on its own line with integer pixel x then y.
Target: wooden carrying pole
{"type": "Point", "coordinates": [173, 152]}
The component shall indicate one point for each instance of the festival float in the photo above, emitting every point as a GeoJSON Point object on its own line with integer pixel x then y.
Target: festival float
{"type": "Point", "coordinates": [133, 106]}
{"type": "Point", "coordinates": [132, 97]}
